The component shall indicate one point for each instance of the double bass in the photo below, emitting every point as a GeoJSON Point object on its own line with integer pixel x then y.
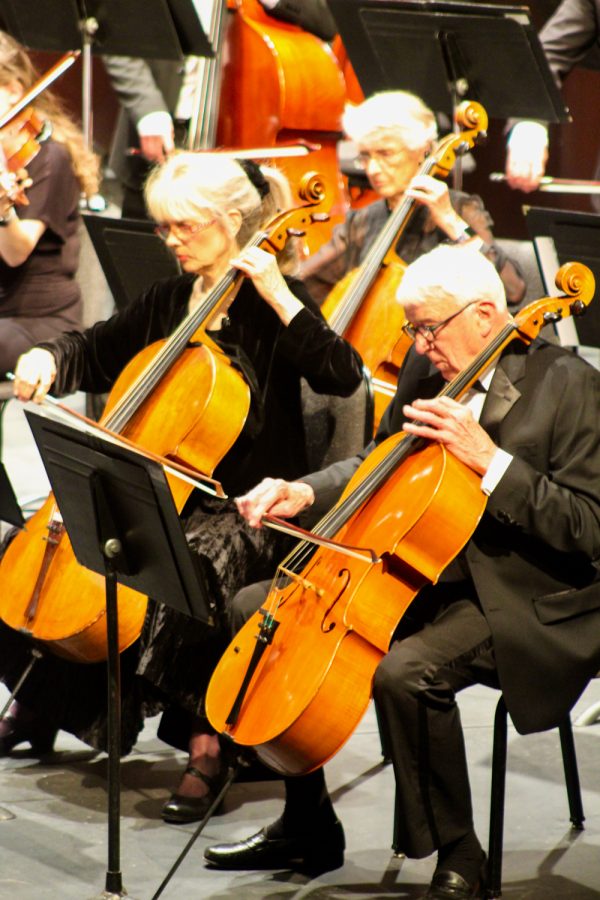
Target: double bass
{"type": "Point", "coordinates": [44, 592]}
{"type": "Point", "coordinates": [296, 679]}
{"type": "Point", "coordinates": [280, 84]}
{"type": "Point", "coordinates": [362, 307]}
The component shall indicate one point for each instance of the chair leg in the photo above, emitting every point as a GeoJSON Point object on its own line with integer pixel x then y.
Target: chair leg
{"type": "Point", "coordinates": [494, 884]}
{"type": "Point", "coordinates": [571, 774]}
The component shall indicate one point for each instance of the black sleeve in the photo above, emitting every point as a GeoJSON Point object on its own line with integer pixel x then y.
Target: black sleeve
{"type": "Point", "coordinates": [327, 361]}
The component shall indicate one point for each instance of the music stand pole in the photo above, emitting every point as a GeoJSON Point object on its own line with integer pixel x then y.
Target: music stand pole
{"type": "Point", "coordinates": [88, 27]}
{"type": "Point", "coordinates": [120, 516]}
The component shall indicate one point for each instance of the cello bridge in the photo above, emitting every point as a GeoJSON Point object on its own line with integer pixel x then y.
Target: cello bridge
{"type": "Point", "coordinates": [303, 582]}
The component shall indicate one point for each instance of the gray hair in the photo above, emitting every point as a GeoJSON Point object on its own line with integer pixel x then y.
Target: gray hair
{"type": "Point", "coordinates": [397, 113]}
{"type": "Point", "coordinates": [452, 273]}
{"type": "Point", "coordinates": [188, 183]}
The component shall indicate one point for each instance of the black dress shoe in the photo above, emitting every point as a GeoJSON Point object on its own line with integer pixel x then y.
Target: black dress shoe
{"type": "Point", "coordinates": [448, 885]}
{"type": "Point", "coordinates": [14, 731]}
{"type": "Point", "coordinates": [320, 851]}
{"type": "Point", "coordinates": [180, 809]}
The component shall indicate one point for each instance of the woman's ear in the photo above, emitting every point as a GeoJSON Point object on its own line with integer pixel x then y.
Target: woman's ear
{"type": "Point", "coordinates": [233, 218]}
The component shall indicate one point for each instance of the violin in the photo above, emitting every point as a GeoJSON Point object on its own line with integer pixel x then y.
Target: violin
{"type": "Point", "coordinates": [44, 592]}
{"type": "Point", "coordinates": [22, 131]}
{"type": "Point", "coordinates": [296, 680]}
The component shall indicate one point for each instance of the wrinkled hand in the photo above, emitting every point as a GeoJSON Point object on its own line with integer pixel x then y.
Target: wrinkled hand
{"type": "Point", "coordinates": [449, 423]}
{"type": "Point", "coordinates": [262, 268]}
{"type": "Point", "coordinates": [275, 497]}
{"type": "Point", "coordinates": [434, 194]}
{"type": "Point", "coordinates": [34, 375]}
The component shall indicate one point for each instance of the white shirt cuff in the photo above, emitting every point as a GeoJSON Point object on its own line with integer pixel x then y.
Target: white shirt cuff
{"type": "Point", "coordinates": [528, 135]}
{"type": "Point", "coordinates": [496, 469]}
{"type": "Point", "coordinates": [155, 123]}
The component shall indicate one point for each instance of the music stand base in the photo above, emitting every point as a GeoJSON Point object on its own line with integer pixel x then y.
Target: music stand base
{"type": "Point", "coordinates": [109, 895]}
{"type": "Point", "coordinates": [6, 814]}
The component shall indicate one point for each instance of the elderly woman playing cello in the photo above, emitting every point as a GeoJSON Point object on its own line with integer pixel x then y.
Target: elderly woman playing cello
{"type": "Point", "coordinates": [394, 131]}
{"type": "Point", "coordinates": [208, 208]}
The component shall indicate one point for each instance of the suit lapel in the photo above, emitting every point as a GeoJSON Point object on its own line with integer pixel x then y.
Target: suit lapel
{"type": "Point", "coordinates": [503, 392]}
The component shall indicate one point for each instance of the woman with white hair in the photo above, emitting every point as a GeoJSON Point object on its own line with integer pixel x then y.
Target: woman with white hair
{"type": "Point", "coordinates": [394, 131]}
{"type": "Point", "coordinates": [207, 207]}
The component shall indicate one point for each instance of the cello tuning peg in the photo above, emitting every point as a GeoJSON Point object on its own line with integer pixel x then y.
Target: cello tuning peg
{"type": "Point", "coordinates": [295, 232]}
{"type": "Point", "coordinates": [319, 217]}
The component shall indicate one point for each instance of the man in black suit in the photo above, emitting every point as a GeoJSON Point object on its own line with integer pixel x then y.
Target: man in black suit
{"type": "Point", "coordinates": [519, 608]}
{"type": "Point", "coordinates": [566, 38]}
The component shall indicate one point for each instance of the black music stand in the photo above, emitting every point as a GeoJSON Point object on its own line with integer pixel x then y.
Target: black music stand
{"type": "Point", "coordinates": [151, 29]}
{"type": "Point", "coordinates": [132, 255]}
{"type": "Point", "coordinates": [560, 236]}
{"type": "Point", "coordinates": [119, 513]}
{"type": "Point", "coordinates": [448, 51]}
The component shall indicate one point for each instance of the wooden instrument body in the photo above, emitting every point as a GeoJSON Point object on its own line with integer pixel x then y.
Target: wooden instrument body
{"type": "Point", "coordinates": [281, 84]}
{"type": "Point", "coordinates": [375, 330]}
{"type": "Point", "coordinates": [194, 415]}
{"type": "Point", "coordinates": [336, 623]}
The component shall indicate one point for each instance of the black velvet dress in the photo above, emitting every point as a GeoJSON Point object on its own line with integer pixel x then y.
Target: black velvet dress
{"type": "Point", "coordinates": [172, 662]}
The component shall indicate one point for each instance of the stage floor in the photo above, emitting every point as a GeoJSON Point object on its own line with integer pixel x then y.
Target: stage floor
{"type": "Point", "coordinates": [53, 835]}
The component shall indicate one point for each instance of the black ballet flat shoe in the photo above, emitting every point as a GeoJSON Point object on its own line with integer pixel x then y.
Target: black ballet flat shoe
{"type": "Point", "coordinates": [315, 853]}
{"type": "Point", "coordinates": [180, 810]}
{"type": "Point", "coordinates": [448, 885]}
{"type": "Point", "coordinates": [14, 732]}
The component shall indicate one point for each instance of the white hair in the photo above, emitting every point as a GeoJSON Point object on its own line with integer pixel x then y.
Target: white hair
{"type": "Point", "coordinates": [190, 183]}
{"type": "Point", "coordinates": [397, 113]}
{"type": "Point", "coordinates": [451, 273]}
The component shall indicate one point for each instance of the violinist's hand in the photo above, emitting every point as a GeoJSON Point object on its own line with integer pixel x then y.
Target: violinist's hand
{"type": "Point", "coordinates": [526, 156]}
{"type": "Point", "coordinates": [34, 375]}
{"type": "Point", "coordinates": [434, 194]}
{"type": "Point", "coordinates": [275, 497]}
{"type": "Point", "coordinates": [262, 268]}
{"type": "Point", "coordinates": [449, 423]}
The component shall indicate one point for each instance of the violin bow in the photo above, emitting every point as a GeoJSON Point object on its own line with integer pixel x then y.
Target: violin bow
{"type": "Point", "coordinates": [58, 69]}
{"type": "Point", "coordinates": [553, 185]}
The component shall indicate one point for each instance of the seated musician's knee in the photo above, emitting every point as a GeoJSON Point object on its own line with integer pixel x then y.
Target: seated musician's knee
{"type": "Point", "coordinates": [246, 602]}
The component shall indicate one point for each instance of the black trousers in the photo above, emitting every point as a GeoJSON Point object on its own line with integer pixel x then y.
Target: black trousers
{"type": "Point", "coordinates": [442, 645]}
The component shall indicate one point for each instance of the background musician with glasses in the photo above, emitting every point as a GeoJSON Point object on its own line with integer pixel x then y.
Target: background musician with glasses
{"type": "Point", "coordinates": [208, 207]}
{"type": "Point", "coordinates": [518, 608]}
{"type": "Point", "coordinates": [394, 131]}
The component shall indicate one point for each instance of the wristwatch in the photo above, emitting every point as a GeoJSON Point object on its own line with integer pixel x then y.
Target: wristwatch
{"type": "Point", "coordinates": [10, 214]}
{"type": "Point", "coordinates": [466, 235]}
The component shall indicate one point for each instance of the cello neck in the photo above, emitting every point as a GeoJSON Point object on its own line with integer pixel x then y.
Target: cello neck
{"type": "Point", "coordinates": [370, 266]}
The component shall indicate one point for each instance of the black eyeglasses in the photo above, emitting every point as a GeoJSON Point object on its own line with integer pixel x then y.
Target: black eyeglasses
{"type": "Point", "coordinates": [429, 331]}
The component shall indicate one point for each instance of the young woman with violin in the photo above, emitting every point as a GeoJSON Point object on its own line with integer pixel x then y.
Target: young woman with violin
{"type": "Point", "coordinates": [208, 207]}
{"type": "Point", "coordinates": [394, 131]}
{"type": "Point", "coordinates": [39, 245]}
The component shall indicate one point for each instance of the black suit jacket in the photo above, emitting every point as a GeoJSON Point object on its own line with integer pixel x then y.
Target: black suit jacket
{"type": "Point", "coordinates": [532, 555]}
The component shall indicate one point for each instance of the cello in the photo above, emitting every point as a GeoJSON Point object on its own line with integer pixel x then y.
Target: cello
{"type": "Point", "coordinates": [362, 306]}
{"type": "Point", "coordinates": [44, 592]}
{"type": "Point", "coordinates": [296, 679]}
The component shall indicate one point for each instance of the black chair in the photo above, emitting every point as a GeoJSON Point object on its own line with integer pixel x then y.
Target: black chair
{"type": "Point", "coordinates": [499, 756]}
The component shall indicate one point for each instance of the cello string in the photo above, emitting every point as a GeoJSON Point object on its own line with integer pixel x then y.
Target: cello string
{"type": "Point", "coordinates": [129, 403]}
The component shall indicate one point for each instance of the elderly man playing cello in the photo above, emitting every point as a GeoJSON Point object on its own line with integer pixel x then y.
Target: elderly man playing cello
{"type": "Point", "coordinates": [514, 610]}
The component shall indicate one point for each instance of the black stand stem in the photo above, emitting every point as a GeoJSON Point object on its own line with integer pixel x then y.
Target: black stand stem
{"type": "Point", "coordinates": [114, 880]}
